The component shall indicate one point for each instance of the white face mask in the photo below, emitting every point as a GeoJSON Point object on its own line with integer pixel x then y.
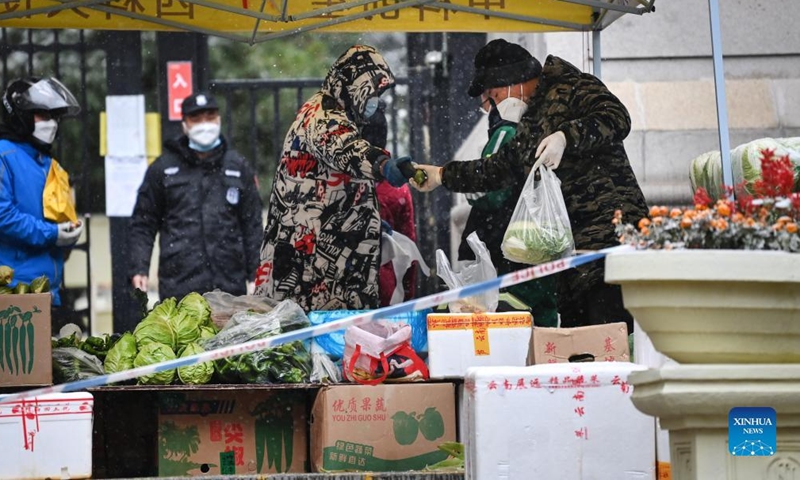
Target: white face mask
{"type": "Point", "coordinates": [45, 131]}
{"type": "Point", "coordinates": [203, 134]}
{"type": "Point", "coordinates": [512, 108]}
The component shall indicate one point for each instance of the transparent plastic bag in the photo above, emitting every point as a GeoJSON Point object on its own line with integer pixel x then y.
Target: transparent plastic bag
{"type": "Point", "coordinates": [71, 364]}
{"type": "Point", "coordinates": [324, 370]}
{"type": "Point", "coordinates": [475, 271]}
{"type": "Point", "coordinates": [286, 363]}
{"type": "Point", "coordinates": [223, 305]}
{"type": "Point", "coordinates": [401, 251]}
{"type": "Point", "coordinates": [539, 230]}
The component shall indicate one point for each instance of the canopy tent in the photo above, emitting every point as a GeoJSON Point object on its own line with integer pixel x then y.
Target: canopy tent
{"type": "Point", "coordinates": [255, 21]}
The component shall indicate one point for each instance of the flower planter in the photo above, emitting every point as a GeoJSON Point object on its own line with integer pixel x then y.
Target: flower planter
{"type": "Point", "coordinates": [714, 306]}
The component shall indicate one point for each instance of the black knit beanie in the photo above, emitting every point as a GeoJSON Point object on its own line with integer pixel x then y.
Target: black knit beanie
{"type": "Point", "coordinates": [499, 64]}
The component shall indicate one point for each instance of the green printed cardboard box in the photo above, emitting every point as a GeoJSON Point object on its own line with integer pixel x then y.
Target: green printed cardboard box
{"type": "Point", "coordinates": [26, 356]}
{"type": "Point", "coordinates": [231, 432]}
{"type": "Point", "coordinates": [381, 428]}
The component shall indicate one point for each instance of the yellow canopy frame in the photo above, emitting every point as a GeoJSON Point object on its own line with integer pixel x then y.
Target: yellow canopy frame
{"type": "Point", "coordinates": [255, 21]}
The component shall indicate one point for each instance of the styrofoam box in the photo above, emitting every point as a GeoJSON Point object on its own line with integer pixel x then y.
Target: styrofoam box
{"type": "Point", "coordinates": [566, 421]}
{"type": "Point", "coordinates": [49, 436]}
{"type": "Point", "coordinates": [457, 341]}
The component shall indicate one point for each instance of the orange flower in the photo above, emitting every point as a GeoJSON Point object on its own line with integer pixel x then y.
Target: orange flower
{"type": "Point", "coordinates": [662, 211]}
{"type": "Point", "coordinates": [750, 222]}
{"type": "Point", "coordinates": [644, 223]}
{"type": "Point", "coordinates": [675, 213]}
{"type": "Point", "coordinates": [737, 217]}
{"type": "Point", "coordinates": [700, 206]}
{"type": "Point", "coordinates": [686, 222]}
{"type": "Point", "coordinates": [723, 209]}
{"type": "Point", "coordinates": [785, 219]}
{"type": "Point", "coordinates": [658, 220]}
{"type": "Point", "coordinates": [791, 227]}
{"type": "Point", "coordinates": [654, 211]}
{"type": "Point", "coordinates": [778, 226]}
{"type": "Point", "coordinates": [645, 231]}
{"type": "Point", "coordinates": [722, 224]}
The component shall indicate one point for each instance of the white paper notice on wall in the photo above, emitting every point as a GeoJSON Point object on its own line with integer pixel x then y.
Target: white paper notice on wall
{"type": "Point", "coordinates": [124, 175]}
{"type": "Point", "coordinates": [125, 126]}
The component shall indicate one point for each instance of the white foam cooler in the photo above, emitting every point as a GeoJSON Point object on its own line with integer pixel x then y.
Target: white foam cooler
{"type": "Point", "coordinates": [566, 421]}
{"type": "Point", "coordinates": [49, 436]}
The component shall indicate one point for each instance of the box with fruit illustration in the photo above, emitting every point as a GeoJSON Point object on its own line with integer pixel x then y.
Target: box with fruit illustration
{"type": "Point", "coordinates": [395, 427]}
{"type": "Point", "coordinates": [202, 433]}
{"type": "Point", "coordinates": [25, 350]}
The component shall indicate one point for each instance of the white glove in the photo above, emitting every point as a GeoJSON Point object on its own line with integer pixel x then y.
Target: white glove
{"type": "Point", "coordinates": [250, 287]}
{"type": "Point", "coordinates": [434, 174]}
{"type": "Point", "coordinates": [551, 149]}
{"type": "Point", "coordinates": [69, 233]}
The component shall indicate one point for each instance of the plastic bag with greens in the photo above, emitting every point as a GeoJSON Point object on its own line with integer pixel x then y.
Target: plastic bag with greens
{"type": "Point", "coordinates": [121, 355]}
{"type": "Point", "coordinates": [287, 363]}
{"type": "Point", "coordinates": [223, 305]}
{"type": "Point", "coordinates": [539, 230]}
{"type": "Point", "coordinates": [71, 364]}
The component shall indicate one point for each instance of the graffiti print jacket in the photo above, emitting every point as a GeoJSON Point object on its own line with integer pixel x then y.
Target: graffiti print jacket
{"type": "Point", "coordinates": [596, 176]}
{"type": "Point", "coordinates": [321, 245]}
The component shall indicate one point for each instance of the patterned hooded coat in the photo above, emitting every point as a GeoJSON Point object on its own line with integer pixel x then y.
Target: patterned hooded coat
{"type": "Point", "coordinates": [596, 176]}
{"type": "Point", "coordinates": [321, 245]}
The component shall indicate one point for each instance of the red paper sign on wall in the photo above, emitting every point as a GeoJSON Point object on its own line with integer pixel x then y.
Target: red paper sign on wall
{"type": "Point", "coordinates": [179, 86]}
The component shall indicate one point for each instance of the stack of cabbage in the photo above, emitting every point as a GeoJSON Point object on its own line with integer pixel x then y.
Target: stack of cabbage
{"type": "Point", "coordinates": [169, 331]}
{"type": "Point", "coordinates": [706, 169]}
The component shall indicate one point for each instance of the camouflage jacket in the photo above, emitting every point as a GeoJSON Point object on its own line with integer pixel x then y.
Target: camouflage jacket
{"type": "Point", "coordinates": [596, 176]}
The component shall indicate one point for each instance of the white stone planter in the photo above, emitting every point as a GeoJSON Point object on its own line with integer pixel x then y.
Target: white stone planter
{"type": "Point", "coordinates": [714, 306]}
{"type": "Point", "coordinates": [693, 401]}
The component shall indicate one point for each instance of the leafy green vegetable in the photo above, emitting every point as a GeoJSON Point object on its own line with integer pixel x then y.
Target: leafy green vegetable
{"type": "Point", "coordinates": [120, 357]}
{"type": "Point", "coordinates": [198, 374]}
{"type": "Point", "coordinates": [155, 353]}
{"type": "Point", "coordinates": [186, 328]}
{"type": "Point", "coordinates": [155, 329]}
{"type": "Point", "coordinates": [196, 307]}
{"type": "Point", "coordinates": [207, 332]}
{"type": "Point", "coordinates": [531, 243]}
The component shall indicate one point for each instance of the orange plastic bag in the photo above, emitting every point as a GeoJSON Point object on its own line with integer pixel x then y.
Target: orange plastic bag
{"type": "Point", "coordinates": [57, 199]}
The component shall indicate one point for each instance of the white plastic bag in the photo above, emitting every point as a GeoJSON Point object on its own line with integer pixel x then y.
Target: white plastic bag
{"type": "Point", "coordinates": [402, 252]}
{"type": "Point", "coordinates": [539, 229]}
{"type": "Point", "coordinates": [475, 271]}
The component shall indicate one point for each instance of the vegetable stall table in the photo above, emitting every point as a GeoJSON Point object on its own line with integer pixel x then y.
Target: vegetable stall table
{"type": "Point", "coordinates": [129, 437]}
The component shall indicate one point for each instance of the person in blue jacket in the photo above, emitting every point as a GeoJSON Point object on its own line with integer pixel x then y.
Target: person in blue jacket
{"type": "Point", "coordinates": [30, 244]}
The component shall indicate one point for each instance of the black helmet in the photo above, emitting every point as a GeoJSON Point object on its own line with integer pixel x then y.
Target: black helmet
{"type": "Point", "coordinates": [25, 96]}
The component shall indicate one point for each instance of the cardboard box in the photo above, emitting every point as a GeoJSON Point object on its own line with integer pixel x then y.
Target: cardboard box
{"type": "Point", "coordinates": [26, 357]}
{"type": "Point", "coordinates": [203, 433]}
{"type": "Point", "coordinates": [382, 428]}
{"type": "Point", "coordinates": [556, 421]}
{"type": "Point", "coordinates": [49, 436]}
{"type": "Point", "coordinates": [457, 341]}
{"type": "Point", "coordinates": [598, 343]}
